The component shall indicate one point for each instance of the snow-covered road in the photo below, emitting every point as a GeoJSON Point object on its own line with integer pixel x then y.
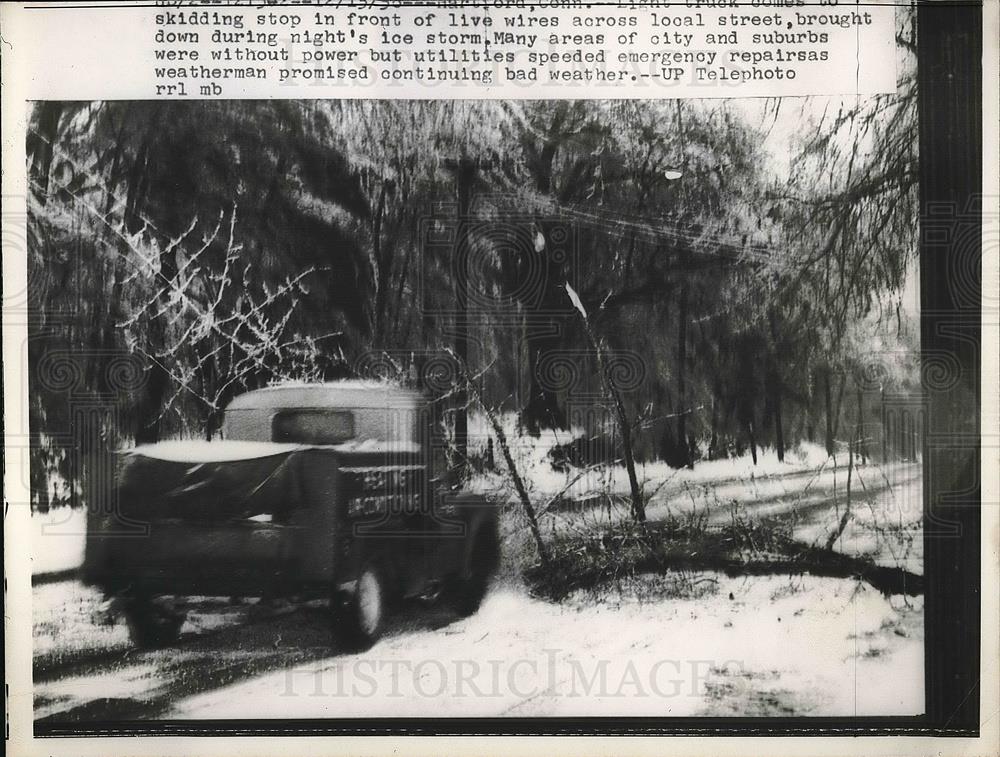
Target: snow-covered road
{"type": "Point", "coordinates": [708, 645]}
{"type": "Point", "coordinates": [680, 644]}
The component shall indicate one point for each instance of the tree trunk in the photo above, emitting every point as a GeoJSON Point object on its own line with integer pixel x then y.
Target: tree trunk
{"type": "Point", "coordinates": [828, 399]}
{"type": "Point", "coordinates": [682, 319]}
{"type": "Point", "coordinates": [683, 445]}
{"type": "Point", "coordinates": [522, 493]}
{"type": "Point", "coordinates": [832, 540]}
{"type": "Point", "coordinates": [542, 410]}
{"type": "Point", "coordinates": [833, 410]}
{"type": "Point", "coordinates": [625, 430]}
{"type": "Point", "coordinates": [466, 176]}
{"type": "Point", "coordinates": [383, 274]}
{"type": "Point", "coordinates": [774, 407]}
{"type": "Point", "coordinates": [151, 407]}
{"type": "Point", "coordinates": [624, 426]}
{"type": "Point", "coordinates": [404, 273]}
{"type": "Point", "coordinates": [501, 437]}
{"type": "Point", "coordinates": [779, 432]}
{"type": "Point", "coordinates": [714, 440]}
{"type": "Point", "coordinates": [148, 412]}
{"type": "Point", "coordinates": [884, 433]}
{"type": "Point", "coordinates": [862, 445]}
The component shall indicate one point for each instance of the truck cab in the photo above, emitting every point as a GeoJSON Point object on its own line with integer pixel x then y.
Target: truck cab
{"type": "Point", "coordinates": [338, 490]}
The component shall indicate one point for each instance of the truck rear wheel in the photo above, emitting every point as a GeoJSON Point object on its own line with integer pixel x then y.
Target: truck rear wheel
{"type": "Point", "coordinates": [360, 617]}
{"type": "Point", "coordinates": [475, 579]}
{"type": "Point", "coordinates": [150, 625]}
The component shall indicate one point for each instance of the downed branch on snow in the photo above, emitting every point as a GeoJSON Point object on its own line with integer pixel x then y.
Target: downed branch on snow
{"type": "Point", "coordinates": [589, 560]}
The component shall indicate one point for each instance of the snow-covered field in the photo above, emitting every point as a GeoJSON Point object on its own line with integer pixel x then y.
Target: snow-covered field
{"type": "Point", "coordinates": [806, 491]}
{"type": "Point", "coordinates": [57, 539]}
{"type": "Point", "coordinates": [531, 455]}
{"type": "Point", "coordinates": [710, 645]}
{"type": "Point", "coordinates": [804, 647]}
{"type": "Point", "coordinates": [677, 644]}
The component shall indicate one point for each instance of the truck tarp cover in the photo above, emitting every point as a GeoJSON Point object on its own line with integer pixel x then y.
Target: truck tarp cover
{"type": "Point", "coordinates": [209, 481]}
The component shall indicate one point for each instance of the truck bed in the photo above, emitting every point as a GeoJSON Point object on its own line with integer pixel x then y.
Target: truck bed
{"type": "Point", "coordinates": [206, 515]}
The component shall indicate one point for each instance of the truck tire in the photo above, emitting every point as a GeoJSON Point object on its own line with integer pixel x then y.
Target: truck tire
{"type": "Point", "coordinates": [151, 626]}
{"type": "Point", "coordinates": [360, 617]}
{"type": "Point", "coordinates": [480, 567]}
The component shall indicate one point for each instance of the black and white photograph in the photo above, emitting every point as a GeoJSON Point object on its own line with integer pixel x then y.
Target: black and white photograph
{"type": "Point", "coordinates": [486, 410]}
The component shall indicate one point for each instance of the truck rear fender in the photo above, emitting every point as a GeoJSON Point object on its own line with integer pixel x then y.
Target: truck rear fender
{"type": "Point", "coordinates": [482, 522]}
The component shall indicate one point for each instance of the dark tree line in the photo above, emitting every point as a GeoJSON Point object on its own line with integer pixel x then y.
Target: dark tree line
{"type": "Point", "coordinates": [219, 246]}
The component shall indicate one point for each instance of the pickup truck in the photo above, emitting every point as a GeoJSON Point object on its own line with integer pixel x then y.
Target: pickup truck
{"type": "Point", "coordinates": [338, 490]}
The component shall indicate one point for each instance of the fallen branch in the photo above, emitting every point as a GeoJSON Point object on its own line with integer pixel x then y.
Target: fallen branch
{"type": "Point", "coordinates": [501, 438]}
{"type": "Point", "coordinates": [596, 558]}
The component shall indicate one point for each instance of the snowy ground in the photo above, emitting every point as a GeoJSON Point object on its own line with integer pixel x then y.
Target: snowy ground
{"type": "Point", "coordinates": [884, 524]}
{"type": "Point", "coordinates": [710, 645]}
{"type": "Point", "coordinates": [688, 644]}
{"type": "Point", "coordinates": [57, 539]}
{"type": "Point", "coordinates": [806, 490]}
{"type": "Point", "coordinates": [531, 455]}
{"type": "Point", "coordinates": [635, 655]}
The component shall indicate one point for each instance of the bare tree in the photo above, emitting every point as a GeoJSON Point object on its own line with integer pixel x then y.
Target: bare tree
{"type": "Point", "coordinates": [615, 397]}
{"type": "Point", "coordinates": [471, 383]}
{"type": "Point", "coordinates": [221, 334]}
